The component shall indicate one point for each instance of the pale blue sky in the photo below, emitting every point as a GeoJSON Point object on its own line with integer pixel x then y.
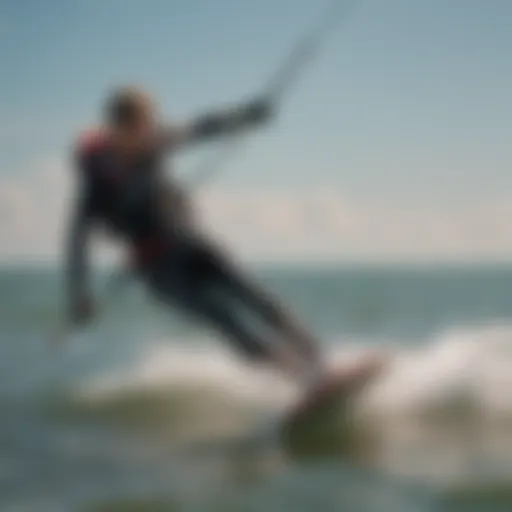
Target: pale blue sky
{"type": "Point", "coordinates": [409, 102]}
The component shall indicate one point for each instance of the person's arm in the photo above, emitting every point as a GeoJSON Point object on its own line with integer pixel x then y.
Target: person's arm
{"type": "Point", "coordinates": [215, 124]}
{"type": "Point", "coordinates": [76, 259]}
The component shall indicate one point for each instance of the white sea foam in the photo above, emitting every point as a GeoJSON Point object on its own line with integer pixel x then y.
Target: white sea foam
{"type": "Point", "coordinates": [470, 368]}
{"type": "Point", "coordinates": [171, 366]}
{"type": "Point", "coordinates": [464, 369]}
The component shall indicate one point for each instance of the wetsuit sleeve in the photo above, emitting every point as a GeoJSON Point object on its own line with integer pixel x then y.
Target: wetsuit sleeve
{"type": "Point", "coordinates": [220, 123]}
{"type": "Point", "coordinates": [78, 240]}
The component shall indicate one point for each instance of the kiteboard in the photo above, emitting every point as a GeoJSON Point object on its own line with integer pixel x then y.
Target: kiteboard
{"type": "Point", "coordinates": [323, 415]}
{"type": "Point", "coordinates": [318, 423]}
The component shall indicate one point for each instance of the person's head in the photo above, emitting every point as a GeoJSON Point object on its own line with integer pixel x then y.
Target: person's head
{"type": "Point", "coordinates": [130, 113]}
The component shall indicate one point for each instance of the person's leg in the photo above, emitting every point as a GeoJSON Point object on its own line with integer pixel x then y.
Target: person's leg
{"type": "Point", "coordinates": [301, 349]}
{"type": "Point", "coordinates": [267, 306]}
{"type": "Point", "coordinates": [193, 283]}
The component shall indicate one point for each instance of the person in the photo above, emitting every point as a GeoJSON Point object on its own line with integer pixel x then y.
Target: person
{"type": "Point", "coordinates": [122, 188]}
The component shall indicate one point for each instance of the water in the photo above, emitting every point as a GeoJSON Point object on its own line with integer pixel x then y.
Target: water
{"type": "Point", "coordinates": [144, 412]}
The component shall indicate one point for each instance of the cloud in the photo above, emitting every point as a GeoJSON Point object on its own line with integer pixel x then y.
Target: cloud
{"type": "Point", "coordinates": [325, 224]}
{"type": "Point", "coordinates": [33, 207]}
{"type": "Point", "coordinates": [262, 224]}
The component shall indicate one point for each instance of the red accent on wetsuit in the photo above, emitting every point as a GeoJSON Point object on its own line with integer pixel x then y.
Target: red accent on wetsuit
{"type": "Point", "coordinates": [93, 140]}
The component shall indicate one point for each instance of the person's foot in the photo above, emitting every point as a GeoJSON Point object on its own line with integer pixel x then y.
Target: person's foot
{"type": "Point", "coordinates": [349, 378]}
{"type": "Point", "coordinates": [339, 384]}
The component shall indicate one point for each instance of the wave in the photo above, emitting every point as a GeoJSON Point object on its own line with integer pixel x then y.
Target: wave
{"type": "Point", "coordinates": [466, 371]}
{"type": "Point", "coordinates": [462, 371]}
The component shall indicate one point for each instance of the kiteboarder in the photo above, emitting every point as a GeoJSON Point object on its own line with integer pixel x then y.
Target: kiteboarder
{"type": "Point", "coordinates": [123, 187]}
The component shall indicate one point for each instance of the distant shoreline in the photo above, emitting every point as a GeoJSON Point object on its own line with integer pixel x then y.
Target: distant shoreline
{"type": "Point", "coordinates": [277, 265]}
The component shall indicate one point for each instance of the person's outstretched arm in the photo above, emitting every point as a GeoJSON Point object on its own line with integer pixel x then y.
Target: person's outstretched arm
{"type": "Point", "coordinates": [216, 124]}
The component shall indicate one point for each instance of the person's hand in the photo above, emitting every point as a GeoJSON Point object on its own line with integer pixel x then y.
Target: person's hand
{"type": "Point", "coordinates": [82, 311]}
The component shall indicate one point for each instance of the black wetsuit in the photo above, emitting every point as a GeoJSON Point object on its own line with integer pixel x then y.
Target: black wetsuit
{"type": "Point", "coordinates": [181, 268]}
